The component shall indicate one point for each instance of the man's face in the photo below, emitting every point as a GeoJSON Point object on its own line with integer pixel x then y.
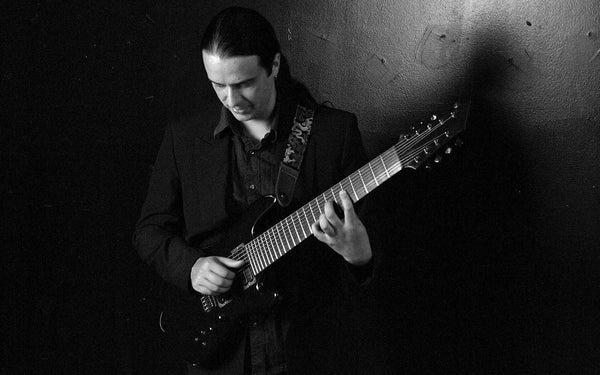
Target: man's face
{"type": "Point", "coordinates": [242, 84]}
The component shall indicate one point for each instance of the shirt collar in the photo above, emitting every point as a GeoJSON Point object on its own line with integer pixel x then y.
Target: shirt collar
{"type": "Point", "coordinates": [227, 121]}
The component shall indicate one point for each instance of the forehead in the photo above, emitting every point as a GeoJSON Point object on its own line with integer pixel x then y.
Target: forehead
{"type": "Point", "coordinates": [232, 69]}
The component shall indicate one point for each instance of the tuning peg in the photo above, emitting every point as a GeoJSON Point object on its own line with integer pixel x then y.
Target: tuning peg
{"type": "Point", "coordinates": [448, 151]}
{"type": "Point", "coordinates": [455, 106]}
{"type": "Point", "coordinates": [433, 117]}
{"type": "Point", "coordinates": [437, 159]}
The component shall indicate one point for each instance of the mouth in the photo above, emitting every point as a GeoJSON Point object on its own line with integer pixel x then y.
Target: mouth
{"type": "Point", "coordinates": [239, 110]}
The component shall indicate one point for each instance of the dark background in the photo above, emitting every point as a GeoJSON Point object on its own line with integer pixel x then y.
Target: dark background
{"type": "Point", "coordinates": [503, 274]}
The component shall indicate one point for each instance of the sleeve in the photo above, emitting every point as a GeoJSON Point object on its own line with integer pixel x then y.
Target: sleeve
{"type": "Point", "coordinates": [158, 236]}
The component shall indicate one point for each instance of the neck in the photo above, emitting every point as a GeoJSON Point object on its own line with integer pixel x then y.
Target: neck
{"type": "Point", "coordinates": [257, 129]}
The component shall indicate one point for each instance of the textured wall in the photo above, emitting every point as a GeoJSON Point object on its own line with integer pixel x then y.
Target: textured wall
{"type": "Point", "coordinates": [527, 188]}
{"type": "Point", "coordinates": [505, 279]}
{"type": "Point", "coordinates": [393, 62]}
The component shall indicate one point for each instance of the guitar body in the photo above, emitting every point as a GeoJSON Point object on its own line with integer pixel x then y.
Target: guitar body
{"type": "Point", "coordinates": [206, 329]}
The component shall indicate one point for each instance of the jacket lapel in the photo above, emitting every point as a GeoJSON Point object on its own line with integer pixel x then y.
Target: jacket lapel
{"type": "Point", "coordinates": [211, 158]}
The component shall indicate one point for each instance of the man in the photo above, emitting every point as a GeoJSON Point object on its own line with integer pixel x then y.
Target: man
{"type": "Point", "coordinates": [211, 168]}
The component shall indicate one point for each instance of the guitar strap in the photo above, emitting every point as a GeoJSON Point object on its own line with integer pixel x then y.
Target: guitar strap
{"type": "Point", "coordinates": [294, 153]}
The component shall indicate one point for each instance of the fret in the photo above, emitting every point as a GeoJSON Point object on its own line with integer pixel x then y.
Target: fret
{"type": "Point", "coordinates": [265, 248]}
{"type": "Point", "coordinates": [312, 214]}
{"type": "Point", "coordinates": [286, 238]}
{"type": "Point", "coordinates": [295, 229]}
{"type": "Point", "coordinates": [259, 253]}
{"type": "Point", "coordinates": [278, 244]}
{"type": "Point", "coordinates": [311, 210]}
{"type": "Point", "coordinates": [273, 244]}
{"type": "Point", "coordinates": [383, 163]}
{"type": "Point", "coordinates": [250, 254]}
{"type": "Point", "coordinates": [275, 249]}
{"type": "Point", "coordinates": [353, 189]}
{"type": "Point", "coordinates": [282, 241]}
{"type": "Point", "coordinates": [363, 181]}
{"type": "Point", "coordinates": [397, 162]}
{"type": "Point", "coordinates": [253, 250]}
{"type": "Point", "coordinates": [377, 183]}
{"type": "Point", "coordinates": [300, 221]}
{"type": "Point", "coordinates": [356, 187]}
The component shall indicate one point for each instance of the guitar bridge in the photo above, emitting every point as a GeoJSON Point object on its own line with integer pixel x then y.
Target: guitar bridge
{"type": "Point", "coordinates": [245, 276]}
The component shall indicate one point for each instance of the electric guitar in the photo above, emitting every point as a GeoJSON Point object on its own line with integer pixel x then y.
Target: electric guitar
{"type": "Point", "coordinates": [205, 328]}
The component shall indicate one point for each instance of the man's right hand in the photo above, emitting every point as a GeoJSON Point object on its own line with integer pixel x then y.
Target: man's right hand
{"type": "Point", "coordinates": [213, 275]}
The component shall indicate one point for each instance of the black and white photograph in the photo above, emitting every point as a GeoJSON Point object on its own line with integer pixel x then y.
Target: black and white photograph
{"type": "Point", "coordinates": [277, 187]}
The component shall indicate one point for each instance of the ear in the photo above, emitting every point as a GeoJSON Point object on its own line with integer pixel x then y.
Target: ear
{"type": "Point", "coordinates": [276, 64]}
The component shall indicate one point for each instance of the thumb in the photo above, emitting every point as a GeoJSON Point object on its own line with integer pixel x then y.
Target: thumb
{"type": "Point", "coordinates": [231, 263]}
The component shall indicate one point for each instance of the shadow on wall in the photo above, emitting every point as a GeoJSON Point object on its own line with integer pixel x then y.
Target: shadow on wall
{"type": "Point", "coordinates": [459, 297]}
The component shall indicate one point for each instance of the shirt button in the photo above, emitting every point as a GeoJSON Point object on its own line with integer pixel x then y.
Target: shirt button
{"type": "Point", "coordinates": [252, 152]}
{"type": "Point", "coordinates": [252, 187]}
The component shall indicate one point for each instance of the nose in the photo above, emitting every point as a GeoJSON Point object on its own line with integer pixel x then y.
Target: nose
{"type": "Point", "coordinates": [233, 97]}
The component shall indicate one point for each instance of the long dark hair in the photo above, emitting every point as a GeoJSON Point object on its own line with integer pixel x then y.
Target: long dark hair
{"type": "Point", "coordinates": [237, 31]}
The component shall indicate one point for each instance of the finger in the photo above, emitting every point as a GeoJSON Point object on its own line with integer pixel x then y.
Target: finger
{"type": "Point", "coordinates": [205, 287]}
{"type": "Point", "coordinates": [332, 216]}
{"type": "Point", "coordinates": [218, 280]}
{"type": "Point", "coordinates": [347, 206]}
{"type": "Point", "coordinates": [231, 263]}
{"type": "Point", "coordinates": [214, 287]}
{"type": "Point", "coordinates": [220, 270]}
{"type": "Point", "coordinates": [326, 226]}
{"type": "Point", "coordinates": [318, 233]}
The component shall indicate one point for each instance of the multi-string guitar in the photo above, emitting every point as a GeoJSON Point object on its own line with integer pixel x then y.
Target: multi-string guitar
{"type": "Point", "coordinates": [205, 326]}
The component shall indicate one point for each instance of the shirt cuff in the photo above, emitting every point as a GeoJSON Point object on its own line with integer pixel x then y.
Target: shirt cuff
{"type": "Point", "coordinates": [361, 273]}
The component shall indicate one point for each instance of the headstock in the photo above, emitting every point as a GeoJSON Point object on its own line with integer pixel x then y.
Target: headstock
{"type": "Point", "coordinates": [432, 139]}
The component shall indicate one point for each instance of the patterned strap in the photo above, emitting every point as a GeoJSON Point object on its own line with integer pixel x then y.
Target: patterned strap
{"type": "Point", "coordinates": [294, 153]}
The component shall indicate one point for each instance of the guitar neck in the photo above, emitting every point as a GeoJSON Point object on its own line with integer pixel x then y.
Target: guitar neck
{"type": "Point", "coordinates": [409, 152]}
{"type": "Point", "coordinates": [295, 228]}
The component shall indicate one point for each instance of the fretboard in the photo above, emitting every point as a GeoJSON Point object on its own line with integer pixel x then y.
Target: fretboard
{"type": "Point", "coordinates": [279, 239]}
{"type": "Point", "coordinates": [409, 152]}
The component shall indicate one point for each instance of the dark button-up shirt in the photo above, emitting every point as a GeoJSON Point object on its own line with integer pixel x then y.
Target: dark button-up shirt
{"type": "Point", "coordinates": [255, 165]}
{"type": "Point", "coordinates": [253, 174]}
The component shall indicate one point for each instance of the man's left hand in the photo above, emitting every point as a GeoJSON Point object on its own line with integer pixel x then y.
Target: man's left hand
{"type": "Point", "coordinates": [348, 236]}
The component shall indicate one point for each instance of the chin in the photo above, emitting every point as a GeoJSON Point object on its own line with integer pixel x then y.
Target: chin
{"type": "Point", "coordinates": [242, 116]}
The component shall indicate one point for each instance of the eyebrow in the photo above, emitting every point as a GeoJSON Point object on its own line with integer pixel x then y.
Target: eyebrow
{"type": "Point", "coordinates": [235, 84]}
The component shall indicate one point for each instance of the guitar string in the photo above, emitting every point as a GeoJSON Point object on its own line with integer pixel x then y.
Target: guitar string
{"type": "Point", "coordinates": [252, 247]}
{"type": "Point", "coordinates": [279, 231]}
{"type": "Point", "coordinates": [279, 228]}
{"type": "Point", "coordinates": [317, 201]}
{"type": "Point", "coordinates": [276, 231]}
